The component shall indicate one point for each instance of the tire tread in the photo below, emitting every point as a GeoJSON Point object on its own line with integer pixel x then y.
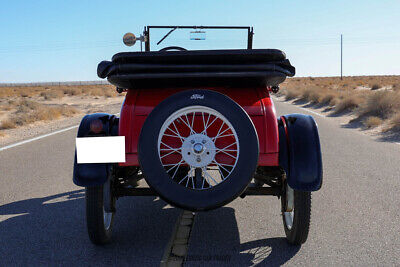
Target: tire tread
{"type": "Point", "coordinates": [94, 216]}
{"type": "Point", "coordinates": [298, 234]}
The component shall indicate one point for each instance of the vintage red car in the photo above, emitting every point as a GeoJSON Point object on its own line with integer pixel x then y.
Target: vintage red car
{"type": "Point", "coordinates": [201, 128]}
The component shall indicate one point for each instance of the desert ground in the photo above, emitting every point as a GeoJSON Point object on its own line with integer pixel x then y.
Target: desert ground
{"type": "Point", "coordinates": [370, 103]}
{"type": "Point", "coordinates": [30, 111]}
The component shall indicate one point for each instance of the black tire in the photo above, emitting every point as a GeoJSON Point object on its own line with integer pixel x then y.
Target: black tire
{"type": "Point", "coordinates": [179, 195]}
{"type": "Point", "coordinates": [297, 234]}
{"type": "Point", "coordinates": [98, 232]}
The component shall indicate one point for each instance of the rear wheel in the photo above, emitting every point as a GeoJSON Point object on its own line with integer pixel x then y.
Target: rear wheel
{"type": "Point", "coordinates": [100, 210]}
{"type": "Point", "coordinates": [296, 214]}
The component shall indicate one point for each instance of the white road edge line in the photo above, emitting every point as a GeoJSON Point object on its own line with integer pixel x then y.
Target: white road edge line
{"type": "Point", "coordinates": [41, 136]}
{"type": "Point", "coordinates": [306, 109]}
{"type": "Point", "coordinates": [313, 112]}
{"type": "Point", "coordinates": [38, 137]}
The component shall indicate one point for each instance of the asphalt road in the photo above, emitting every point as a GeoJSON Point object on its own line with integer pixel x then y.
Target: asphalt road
{"type": "Point", "coordinates": [355, 216]}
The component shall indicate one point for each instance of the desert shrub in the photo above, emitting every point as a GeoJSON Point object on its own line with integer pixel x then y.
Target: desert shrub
{"type": "Point", "coordinates": [394, 123]}
{"type": "Point", "coordinates": [108, 94]}
{"type": "Point", "coordinates": [51, 94]}
{"type": "Point", "coordinates": [6, 92]}
{"type": "Point", "coordinates": [45, 113]}
{"type": "Point", "coordinates": [310, 94]}
{"type": "Point", "coordinates": [375, 86]}
{"type": "Point", "coordinates": [381, 104]}
{"type": "Point", "coordinates": [328, 99]}
{"type": "Point", "coordinates": [72, 91]}
{"type": "Point", "coordinates": [305, 95]}
{"type": "Point", "coordinates": [333, 102]}
{"type": "Point", "coordinates": [24, 106]}
{"type": "Point", "coordinates": [291, 94]}
{"type": "Point", "coordinates": [7, 124]}
{"type": "Point", "coordinates": [30, 111]}
{"type": "Point", "coordinates": [314, 97]}
{"type": "Point", "coordinates": [67, 111]}
{"type": "Point", "coordinates": [372, 122]}
{"type": "Point", "coordinates": [95, 92]}
{"type": "Point", "coordinates": [347, 103]}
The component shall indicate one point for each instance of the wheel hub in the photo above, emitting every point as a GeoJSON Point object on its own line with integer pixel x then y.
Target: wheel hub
{"type": "Point", "coordinates": [194, 163]}
{"type": "Point", "coordinates": [198, 150]}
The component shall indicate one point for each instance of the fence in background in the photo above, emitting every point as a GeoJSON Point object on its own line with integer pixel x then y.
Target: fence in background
{"type": "Point", "coordinates": [53, 83]}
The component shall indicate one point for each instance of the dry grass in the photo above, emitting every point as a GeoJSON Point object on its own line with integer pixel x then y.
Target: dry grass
{"type": "Point", "coordinates": [328, 99]}
{"type": "Point", "coordinates": [7, 124]}
{"type": "Point", "coordinates": [394, 123]}
{"type": "Point", "coordinates": [52, 92]}
{"type": "Point", "coordinates": [372, 122]}
{"type": "Point", "coordinates": [375, 86]}
{"type": "Point", "coordinates": [291, 94]}
{"type": "Point", "coordinates": [347, 103]}
{"type": "Point", "coordinates": [371, 98]}
{"type": "Point", "coordinates": [381, 104]}
{"type": "Point", "coordinates": [25, 105]}
{"type": "Point", "coordinates": [311, 94]}
{"type": "Point", "coordinates": [29, 111]}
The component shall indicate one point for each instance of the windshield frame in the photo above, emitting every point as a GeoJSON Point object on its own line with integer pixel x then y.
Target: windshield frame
{"type": "Point", "coordinates": [147, 29]}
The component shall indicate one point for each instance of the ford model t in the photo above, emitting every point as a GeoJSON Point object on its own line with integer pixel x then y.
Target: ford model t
{"type": "Point", "coordinates": [200, 127]}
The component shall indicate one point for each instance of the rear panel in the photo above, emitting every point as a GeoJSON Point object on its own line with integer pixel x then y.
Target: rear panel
{"type": "Point", "coordinates": [255, 101]}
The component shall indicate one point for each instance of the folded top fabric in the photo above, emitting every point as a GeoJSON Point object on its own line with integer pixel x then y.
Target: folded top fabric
{"type": "Point", "coordinates": [256, 67]}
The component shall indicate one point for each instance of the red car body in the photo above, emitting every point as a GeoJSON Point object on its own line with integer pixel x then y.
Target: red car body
{"type": "Point", "coordinates": [255, 101]}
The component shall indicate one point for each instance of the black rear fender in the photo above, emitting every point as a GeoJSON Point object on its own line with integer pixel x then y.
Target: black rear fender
{"type": "Point", "coordinates": [300, 151]}
{"type": "Point", "coordinates": [94, 125]}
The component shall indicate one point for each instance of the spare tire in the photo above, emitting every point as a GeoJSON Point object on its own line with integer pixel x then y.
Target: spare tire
{"type": "Point", "coordinates": [198, 149]}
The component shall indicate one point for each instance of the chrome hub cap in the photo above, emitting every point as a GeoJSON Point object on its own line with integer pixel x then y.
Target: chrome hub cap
{"type": "Point", "coordinates": [198, 150]}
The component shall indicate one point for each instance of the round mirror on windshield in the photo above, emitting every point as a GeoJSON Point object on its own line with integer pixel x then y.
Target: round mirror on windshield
{"type": "Point", "coordinates": [129, 39]}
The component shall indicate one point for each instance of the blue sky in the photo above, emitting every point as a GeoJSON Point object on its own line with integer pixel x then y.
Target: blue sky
{"type": "Point", "coordinates": [65, 40]}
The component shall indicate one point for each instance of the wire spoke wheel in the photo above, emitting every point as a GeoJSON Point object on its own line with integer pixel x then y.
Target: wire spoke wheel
{"type": "Point", "coordinates": [198, 147]}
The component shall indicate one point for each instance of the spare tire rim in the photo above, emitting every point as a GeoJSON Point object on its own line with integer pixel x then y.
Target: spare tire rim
{"type": "Point", "coordinates": [198, 147]}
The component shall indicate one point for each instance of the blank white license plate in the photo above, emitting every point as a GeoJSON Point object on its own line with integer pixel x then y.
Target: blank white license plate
{"type": "Point", "coordinates": [108, 149]}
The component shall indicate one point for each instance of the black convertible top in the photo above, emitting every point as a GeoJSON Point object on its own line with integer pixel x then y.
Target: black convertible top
{"type": "Point", "coordinates": [242, 67]}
